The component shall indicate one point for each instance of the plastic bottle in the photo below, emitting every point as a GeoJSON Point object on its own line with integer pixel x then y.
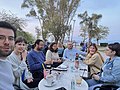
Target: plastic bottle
{"type": "Point", "coordinates": [73, 84]}
{"type": "Point", "coordinates": [77, 56]}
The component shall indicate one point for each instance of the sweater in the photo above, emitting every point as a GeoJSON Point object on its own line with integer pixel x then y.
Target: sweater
{"type": "Point", "coordinates": [18, 67]}
{"type": "Point", "coordinates": [6, 76]}
{"type": "Point", "coordinates": [52, 55]}
{"type": "Point", "coordinates": [94, 62]}
{"type": "Point", "coordinates": [35, 60]}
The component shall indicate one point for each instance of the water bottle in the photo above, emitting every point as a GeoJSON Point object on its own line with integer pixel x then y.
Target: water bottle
{"type": "Point", "coordinates": [73, 84]}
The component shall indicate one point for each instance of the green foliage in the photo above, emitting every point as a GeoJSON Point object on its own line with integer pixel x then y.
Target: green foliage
{"type": "Point", "coordinates": [101, 33]}
{"type": "Point", "coordinates": [27, 36]}
{"type": "Point", "coordinates": [103, 44]}
{"type": "Point", "coordinates": [90, 28]}
{"type": "Point", "coordinates": [17, 22]}
{"type": "Point", "coordinates": [55, 16]}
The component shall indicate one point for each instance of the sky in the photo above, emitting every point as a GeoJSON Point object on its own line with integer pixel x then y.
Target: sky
{"type": "Point", "coordinates": [110, 10]}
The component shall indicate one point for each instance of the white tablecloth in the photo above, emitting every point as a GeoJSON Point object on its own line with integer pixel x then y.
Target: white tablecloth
{"type": "Point", "coordinates": [65, 80]}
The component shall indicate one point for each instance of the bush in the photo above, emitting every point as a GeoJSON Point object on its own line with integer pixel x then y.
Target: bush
{"type": "Point", "coordinates": [103, 44]}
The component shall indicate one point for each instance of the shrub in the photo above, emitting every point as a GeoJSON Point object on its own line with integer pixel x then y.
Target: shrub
{"type": "Point", "coordinates": [103, 44]}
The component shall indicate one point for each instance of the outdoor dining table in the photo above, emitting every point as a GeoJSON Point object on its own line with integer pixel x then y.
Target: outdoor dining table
{"type": "Point", "coordinates": [66, 77]}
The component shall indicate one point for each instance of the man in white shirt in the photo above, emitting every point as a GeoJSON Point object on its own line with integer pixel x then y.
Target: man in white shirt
{"type": "Point", "coordinates": [70, 52]}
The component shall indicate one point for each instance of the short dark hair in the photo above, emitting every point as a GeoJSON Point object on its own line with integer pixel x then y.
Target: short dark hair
{"type": "Point", "coordinates": [115, 47]}
{"type": "Point", "coordinates": [37, 42]}
{"type": "Point", "coordinates": [20, 39]}
{"type": "Point", "coordinates": [4, 24]}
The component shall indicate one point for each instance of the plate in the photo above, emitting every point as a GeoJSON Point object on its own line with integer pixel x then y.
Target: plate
{"type": "Point", "coordinates": [49, 85]}
{"type": "Point", "coordinates": [62, 66]}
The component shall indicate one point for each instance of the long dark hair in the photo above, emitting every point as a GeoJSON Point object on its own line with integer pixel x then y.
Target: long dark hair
{"type": "Point", "coordinates": [51, 49]}
{"type": "Point", "coordinates": [115, 47]}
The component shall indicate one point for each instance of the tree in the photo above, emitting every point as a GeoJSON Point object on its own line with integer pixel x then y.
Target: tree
{"type": "Point", "coordinates": [17, 22]}
{"type": "Point", "coordinates": [101, 33]}
{"type": "Point", "coordinates": [55, 16]}
{"type": "Point", "coordinates": [29, 37]}
{"type": "Point", "coordinates": [83, 33]}
{"type": "Point", "coordinates": [90, 25]}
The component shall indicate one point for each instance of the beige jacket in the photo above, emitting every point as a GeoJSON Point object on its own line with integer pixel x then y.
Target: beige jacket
{"type": "Point", "coordinates": [94, 62]}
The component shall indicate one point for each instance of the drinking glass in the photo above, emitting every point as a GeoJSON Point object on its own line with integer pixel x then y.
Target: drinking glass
{"type": "Point", "coordinates": [77, 64]}
{"type": "Point", "coordinates": [78, 80]}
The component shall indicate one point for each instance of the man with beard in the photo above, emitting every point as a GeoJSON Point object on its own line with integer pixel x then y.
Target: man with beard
{"type": "Point", "coordinates": [36, 58]}
{"type": "Point", "coordinates": [7, 36]}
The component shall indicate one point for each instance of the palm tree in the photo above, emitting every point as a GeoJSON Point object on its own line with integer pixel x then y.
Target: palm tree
{"type": "Point", "coordinates": [90, 23]}
{"type": "Point", "coordinates": [101, 33]}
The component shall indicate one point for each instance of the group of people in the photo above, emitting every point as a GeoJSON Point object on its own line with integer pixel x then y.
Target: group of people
{"type": "Point", "coordinates": [18, 67]}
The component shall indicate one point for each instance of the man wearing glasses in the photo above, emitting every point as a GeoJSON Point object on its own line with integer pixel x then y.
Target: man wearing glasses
{"type": "Point", "coordinates": [70, 52]}
{"type": "Point", "coordinates": [7, 35]}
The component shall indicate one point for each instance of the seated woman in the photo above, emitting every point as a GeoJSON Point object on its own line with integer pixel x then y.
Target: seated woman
{"type": "Point", "coordinates": [23, 78]}
{"type": "Point", "coordinates": [52, 55]}
{"type": "Point", "coordinates": [60, 49]}
{"type": "Point", "coordinates": [110, 72]}
{"type": "Point", "coordinates": [94, 60]}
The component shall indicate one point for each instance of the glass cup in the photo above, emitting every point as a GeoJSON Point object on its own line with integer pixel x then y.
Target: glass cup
{"type": "Point", "coordinates": [78, 80]}
{"type": "Point", "coordinates": [76, 64]}
{"type": "Point", "coordinates": [49, 79]}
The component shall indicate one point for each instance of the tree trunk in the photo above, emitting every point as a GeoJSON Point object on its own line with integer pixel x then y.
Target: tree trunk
{"type": "Point", "coordinates": [97, 41]}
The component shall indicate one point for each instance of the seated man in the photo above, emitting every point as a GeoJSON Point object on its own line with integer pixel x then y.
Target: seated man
{"type": "Point", "coordinates": [7, 35]}
{"type": "Point", "coordinates": [70, 52]}
{"type": "Point", "coordinates": [36, 58]}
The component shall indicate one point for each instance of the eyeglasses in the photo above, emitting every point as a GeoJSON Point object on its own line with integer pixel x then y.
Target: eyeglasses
{"type": "Point", "coordinates": [3, 38]}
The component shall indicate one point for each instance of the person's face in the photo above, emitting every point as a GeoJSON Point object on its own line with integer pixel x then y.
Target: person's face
{"type": "Point", "coordinates": [54, 46]}
{"type": "Point", "coordinates": [70, 45]}
{"type": "Point", "coordinates": [40, 46]}
{"type": "Point", "coordinates": [109, 52]}
{"type": "Point", "coordinates": [20, 47]}
{"type": "Point", "coordinates": [6, 41]}
{"type": "Point", "coordinates": [92, 49]}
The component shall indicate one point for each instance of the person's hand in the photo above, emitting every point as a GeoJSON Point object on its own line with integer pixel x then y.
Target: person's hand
{"type": "Point", "coordinates": [48, 62]}
{"type": "Point", "coordinates": [96, 77]}
{"type": "Point", "coordinates": [24, 54]}
{"type": "Point", "coordinates": [29, 80]}
{"type": "Point", "coordinates": [59, 60]}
